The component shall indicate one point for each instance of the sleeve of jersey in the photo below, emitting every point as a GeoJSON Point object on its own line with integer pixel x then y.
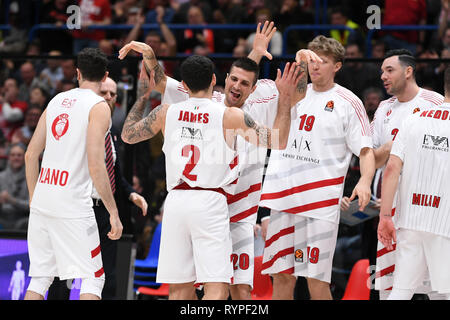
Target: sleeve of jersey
{"type": "Point", "coordinates": [264, 101]}
{"type": "Point", "coordinates": [358, 135]}
{"type": "Point", "coordinates": [174, 92]}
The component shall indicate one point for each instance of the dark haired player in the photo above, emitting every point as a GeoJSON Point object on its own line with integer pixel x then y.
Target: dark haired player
{"type": "Point", "coordinates": [63, 237]}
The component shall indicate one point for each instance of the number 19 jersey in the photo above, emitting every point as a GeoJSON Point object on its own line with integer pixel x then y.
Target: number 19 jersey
{"type": "Point", "coordinates": [195, 148]}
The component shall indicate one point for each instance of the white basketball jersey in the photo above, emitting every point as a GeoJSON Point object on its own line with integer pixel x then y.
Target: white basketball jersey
{"type": "Point", "coordinates": [64, 185]}
{"type": "Point", "coordinates": [195, 148]}
{"type": "Point", "coordinates": [391, 112]}
{"type": "Point", "coordinates": [423, 146]}
{"type": "Point", "coordinates": [262, 106]}
{"type": "Point", "coordinates": [307, 178]}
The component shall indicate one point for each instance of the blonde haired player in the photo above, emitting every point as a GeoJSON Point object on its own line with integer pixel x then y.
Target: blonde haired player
{"type": "Point", "coordinates": [421, 154]}
{"type": "Point", "coordinates": [304, 183]}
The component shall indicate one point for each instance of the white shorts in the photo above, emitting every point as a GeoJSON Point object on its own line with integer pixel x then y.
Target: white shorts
{"type": "Point", "coordinates": [300, 246]}
{"type": "Point", "coordinates": [195, 238]}
{"type": "Point", "coordinates": [63, 247]}
{"type": "Point", "coordinates": [243, 255]}
{"type": "Point", "coordinates": [417, 253]}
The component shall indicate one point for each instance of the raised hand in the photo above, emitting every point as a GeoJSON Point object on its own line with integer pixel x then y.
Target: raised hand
{"type": "Point", "coordinates": [307, 56]}
{"type": "Point", "coordinates": [261, 42]}
{"type": "Point", "coordinates": [137, 46]}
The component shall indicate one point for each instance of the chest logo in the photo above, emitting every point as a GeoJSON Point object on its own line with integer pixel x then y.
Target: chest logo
{"type": "Point", "coordinates": [60, 125]}
{"type": "Point", "coordinates": [329, 106]}
{"type": "Point", "coordinates": [416, 110]}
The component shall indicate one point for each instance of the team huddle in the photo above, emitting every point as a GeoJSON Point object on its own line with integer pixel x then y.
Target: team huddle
{"type": "Point", "coordinates": [215, 146]}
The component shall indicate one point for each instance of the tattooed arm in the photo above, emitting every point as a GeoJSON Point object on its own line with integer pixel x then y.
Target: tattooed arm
{"type": "Point", "coordinates": [236, 121]}
{"type": "Point", "coordinates": [136, 128]}
{"type": "Point", "coordinates": [150, 62]}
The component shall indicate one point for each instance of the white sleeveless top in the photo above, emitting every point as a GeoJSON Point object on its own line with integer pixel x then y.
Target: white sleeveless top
{"type": "Point", "coordinates": [64, 186]}
{"type": "Point", "coordinates": [195, 148]}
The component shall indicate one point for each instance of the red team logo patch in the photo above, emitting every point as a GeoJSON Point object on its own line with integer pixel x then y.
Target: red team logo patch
{"type": "Point", "coordinates": [60, 125]}
{"type": "Point", "coordinates": [329, 106]}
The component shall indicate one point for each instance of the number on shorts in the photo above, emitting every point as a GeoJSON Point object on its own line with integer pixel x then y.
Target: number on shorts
{"type": "Point", "coordinates": [243, 260]}
{"type": "Point", "coordinates": [313, 254]}
{"type": "Point", "coordinates": [192, 161]}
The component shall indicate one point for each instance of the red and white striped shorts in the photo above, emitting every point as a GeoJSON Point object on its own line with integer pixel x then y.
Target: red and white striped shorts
{"type": "Point", "coordinates": [300, 246]}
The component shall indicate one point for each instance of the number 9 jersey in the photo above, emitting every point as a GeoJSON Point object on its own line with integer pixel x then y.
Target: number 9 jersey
{"type": "Point", "coordinates": [195, 148]}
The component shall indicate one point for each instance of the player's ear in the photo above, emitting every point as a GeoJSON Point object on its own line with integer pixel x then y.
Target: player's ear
{"type": "Point", "coordinates": [78, 75]}
{"type": "Point", "coordinates": [213, 80]}
{"type": "Point", "coordinates": [337, 66]}
{"type": "Point", "coordinates": [105, 76]}
{"type": "Point", "coordinates": [184, 85]}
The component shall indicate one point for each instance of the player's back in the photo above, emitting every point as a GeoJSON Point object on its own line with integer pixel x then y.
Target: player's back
{"type": "Point", "coordinates": [194, 145]}
{"type": "Point", "coordinates": [425, 181]}
{"type": "Point", "coordinates": [64, 185]}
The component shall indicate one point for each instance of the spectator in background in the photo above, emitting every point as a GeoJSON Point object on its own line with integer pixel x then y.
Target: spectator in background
{"type": "Point", "coordinates": [276, 43]}
{"type": "Point", "coordinates": [291, 13]}
{"type": "Point", "coordinates": [121, 10]}
{"type": "Point", "coordinates": [39, 97]}
{"type": "Point", "coordinates": [55, 12]}
{"type": "Point", "coordinates": [188, 39]}
{"type": "Point", "coordinates": [34, 49]}
{"type": "Point", "coordinates": [427, 73]}
{"type": "Point", "coordinates": [11, 108]}
{"type": "Point", "coordinates": [371, 97]}
{"type": "Point", "coordinates": [356, 76]}
{"type": "Point", "coordinates": [13, 190]}
{"type": "Point", "coordinates": [23, 134]}
{"type": "Point", "coordinates": [229, 12]}
{"type": "Point", "coordinates": [405, 12]}
{"type": "Point", "coordinates": [93, 12]}
{"type": "Point", "coordinates": [69, 74]}
{"type": "Point", "coordinates": [378, 50]}
{"type": "Point", "coordinates": [181, 14]}
{"type": "Point", "coordinates": [29, 81]}
{"type": "Point", "coordinates": [444, 18]}
{"type": "Point", "coordinates": [339, 17]}
{"type": "Point", "coordinates": [15, 42]}
{"type": "Point", "coordinates": [169, 12]}
{"type": "Point", "coordinates": [53, 73]}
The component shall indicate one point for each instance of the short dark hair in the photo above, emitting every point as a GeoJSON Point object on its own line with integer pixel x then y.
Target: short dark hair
{"type": "Point", "coordinates": [92, 63]}
{"type": "Point", "coordinates": [405, 57]}
{"type": "Point", "coordinates": [248, 65]}
{"type": "Point", "coordinates": [447, 81]}
{"type": "Point", "coordinates": [197, 72]}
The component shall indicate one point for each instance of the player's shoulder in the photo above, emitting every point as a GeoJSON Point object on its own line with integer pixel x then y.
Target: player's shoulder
{"type": "Point", "coordinates": [386, 104]}
{"type": "Point", "coordinates": [431, 96]}
{"type": "Point", "coordinates": [347, 97]}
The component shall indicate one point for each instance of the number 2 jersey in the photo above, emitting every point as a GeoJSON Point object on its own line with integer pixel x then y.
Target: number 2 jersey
{"type": "Point", "coordinates": [195, 148]}
{"type": "Point", "coordinates": [307, 178]}
{"type": "Point", "coordinates": [243, 200]}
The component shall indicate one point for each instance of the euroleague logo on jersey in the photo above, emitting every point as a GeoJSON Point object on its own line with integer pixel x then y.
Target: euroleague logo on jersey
{"type": "Point", "coordinates": [60, 125]}
{"type": "Point", "coordinates": [416, 110]}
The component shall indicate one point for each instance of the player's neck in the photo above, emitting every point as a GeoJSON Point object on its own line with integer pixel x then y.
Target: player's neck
{"type": "Point", "coordinates": [410, 91]}
{"type": "Point", "coordinates": [319, 87]}
{"type": "Point", "coordinates": [94, 86]}
{"type": "Point", "coordinates": [201, 94]}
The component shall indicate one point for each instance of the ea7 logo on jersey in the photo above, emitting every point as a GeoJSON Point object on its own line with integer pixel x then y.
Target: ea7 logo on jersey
{"type": "Point", "coordinates": [191, 133]}
{"type": "Point", "coordinates": [435, 143]}
{"type": "Point", "coordinates": [60, 125]}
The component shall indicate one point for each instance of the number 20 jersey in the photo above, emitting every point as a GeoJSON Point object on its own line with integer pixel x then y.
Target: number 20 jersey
{"type": "Point", "coordinates": [195, 148]}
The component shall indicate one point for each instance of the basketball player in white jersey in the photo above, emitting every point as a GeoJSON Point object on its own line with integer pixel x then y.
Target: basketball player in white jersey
{"type": "Point", "coordinates": [421, 154]}
{"type": "Point", "coordinates": [304, 183]}
{"type": "Point", "coordinates": [259, 98]}
{"type": "Point", "coordinates": [407, 98]}
{"type": "Point", "coordinates": [201, 166]}
{"type": "Point", "coordinates": [63, 237]}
